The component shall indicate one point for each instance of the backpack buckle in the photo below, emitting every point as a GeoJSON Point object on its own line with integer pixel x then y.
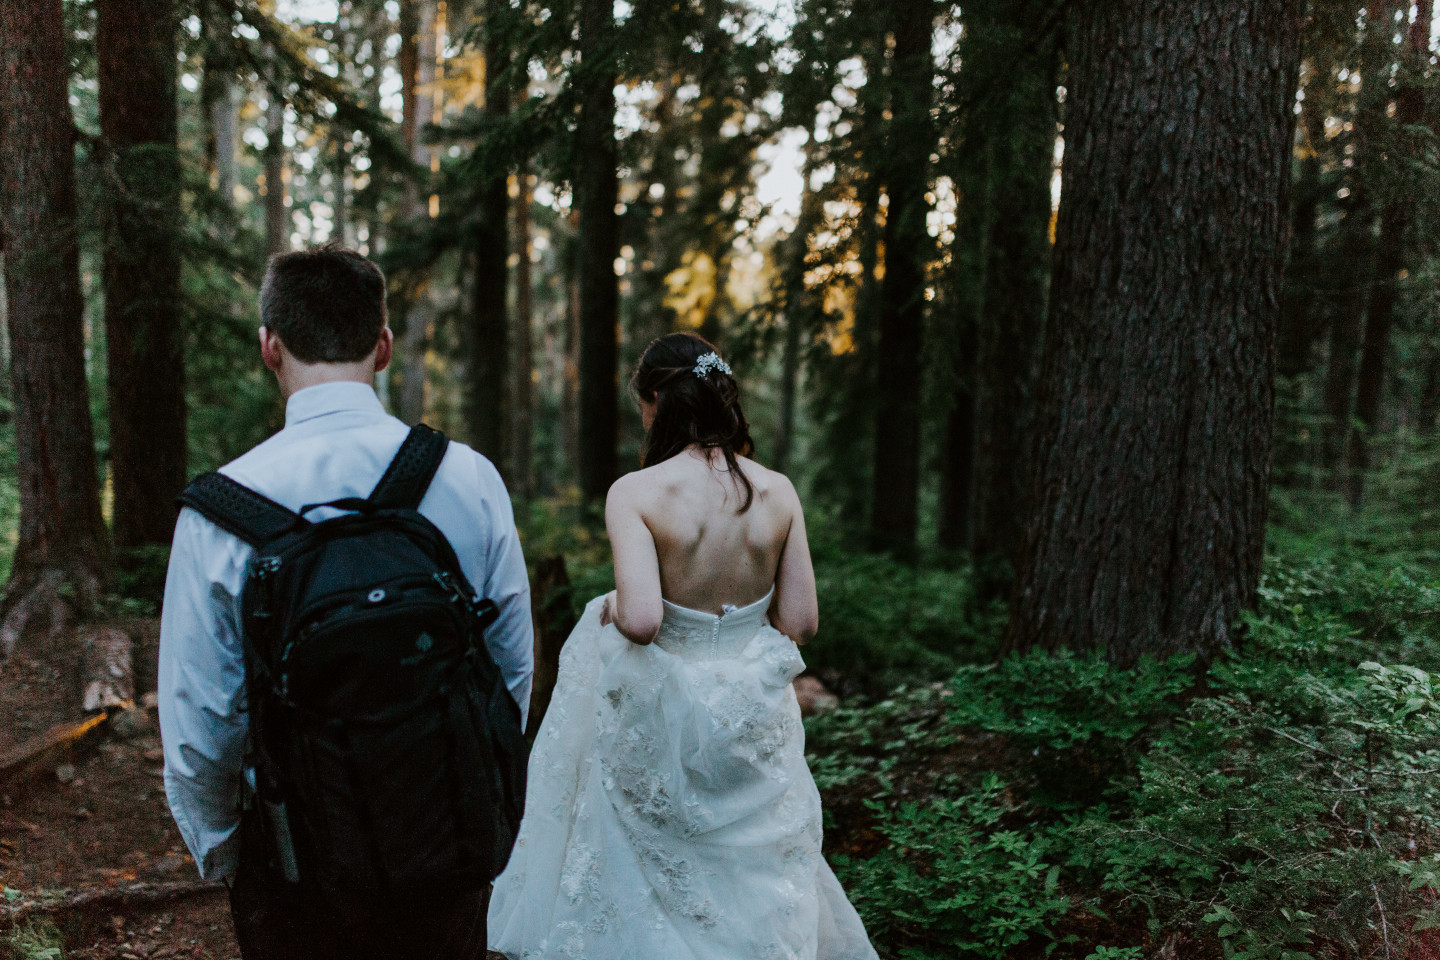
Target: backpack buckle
{"type": "Point", "coordinates": [262, 569]}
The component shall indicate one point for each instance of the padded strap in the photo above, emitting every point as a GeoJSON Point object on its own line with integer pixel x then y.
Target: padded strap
{"type": "Point", "coordinates": [236, 509]}
{"type": "Point", "coordinates": [409, 474]}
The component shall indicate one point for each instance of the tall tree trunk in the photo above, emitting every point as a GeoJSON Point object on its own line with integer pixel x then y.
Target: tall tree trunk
{"type": "Point", "coordinates": [340, 193]}
{"type": "Point", "coordinates": [668, 233]}
{"type": "Point", "coordinates": [1391, 254]}
{"type": "Point", "coordinates": [277, 218]}
{"type": "Point", "coordinates": [522, 468]}
{"type": "Point", "coordinates": [222, 114]}
{"type": "Point", "coordinates": [596, 192]}
{"type": "Point", "coordinates": [570, 394]}
{"type": "Point", "coordinates": [895, 493]}
{"type": "Point", "coordinates": [490, 335]}
{"type": "Point", "coordinates": [852, 427]}
{"type": "Point", "coordinates": [1344, 339]}
{"type": "Point", "coordinates": [801, 310]}
{"type": "Point", "coordinates": [1147, 517]}
{"type": "Point", "coordinates": [1357, 231]}
{"type": "Point", "coordinates": [1017, 279]}
{"type": "Point", "coordinates": [136, 51]}
{"type": "Point", "coordinates": [1298, 306]}
{"type": "Point", "coordinates": [417, 77]}
{"type": "Point", "coordinates": [970, 267]}
{"type": "Point", "coordinates": [59, 559]}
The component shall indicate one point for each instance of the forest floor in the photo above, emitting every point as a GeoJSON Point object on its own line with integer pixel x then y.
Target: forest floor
{"type": "Point", "coordinates": [86, 837]}
{"type": "Point", "coordinates": [94, 820]}
{"type": "Point", "coordinates": [92, 825]}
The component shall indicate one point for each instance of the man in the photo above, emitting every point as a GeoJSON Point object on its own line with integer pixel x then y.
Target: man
{"type": "Point", "coordinates": [324, 336]}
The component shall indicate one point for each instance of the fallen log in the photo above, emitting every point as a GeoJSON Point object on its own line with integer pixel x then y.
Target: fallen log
{"type": "Point", "coordinates": [102, 899]}
{"type": "Point", "coordinates": [28, 755]}
{"type": "Point", "coordinates": [108, 668]}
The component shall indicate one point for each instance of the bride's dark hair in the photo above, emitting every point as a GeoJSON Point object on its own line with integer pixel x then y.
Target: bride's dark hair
{"type": "Point", "coordinates": [692, 408]}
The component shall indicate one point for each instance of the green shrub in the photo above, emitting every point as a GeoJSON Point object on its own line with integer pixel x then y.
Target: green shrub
{"type": "Point", "coordinates": [36, 940]}
{"type": "Point", "coordinates": [1280, 812]}
{"type": "Point", "coordinates": [884, 623]}
{"type": "Point", "coordinates": [955, 876]}
{"type": "Point", "coordinates": [1285, 804]}
{"type": "Point", "coordinates": [1078, 719]}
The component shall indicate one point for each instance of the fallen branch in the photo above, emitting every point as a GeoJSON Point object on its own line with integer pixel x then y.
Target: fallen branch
{"type": "Point", "coordinates": [108, 899]}
{"type": "Point", "coordinates": [31, 753]}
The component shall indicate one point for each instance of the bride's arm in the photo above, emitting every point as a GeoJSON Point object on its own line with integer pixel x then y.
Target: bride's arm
{"type": "Point", "coordinates": [637, 609]}
{"type": "Point", "coordinates": [795, 611]}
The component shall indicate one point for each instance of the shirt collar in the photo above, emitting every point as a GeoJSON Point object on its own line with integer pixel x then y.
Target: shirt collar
{"type": "Point", "coordinates": [325, 398]}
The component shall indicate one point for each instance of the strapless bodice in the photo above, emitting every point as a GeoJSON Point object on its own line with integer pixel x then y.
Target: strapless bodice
{"type": "Point", "coordinates": [697, 635]}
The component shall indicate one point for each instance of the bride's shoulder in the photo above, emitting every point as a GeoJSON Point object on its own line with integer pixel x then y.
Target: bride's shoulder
{"type": "Point", "coordinates": [639, 486]}
{"type": "Point", "coordinates": [768, 483]}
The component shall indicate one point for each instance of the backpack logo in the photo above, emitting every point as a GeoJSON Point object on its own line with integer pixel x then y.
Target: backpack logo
{"type": "Point", "coordinates": [423, 643]}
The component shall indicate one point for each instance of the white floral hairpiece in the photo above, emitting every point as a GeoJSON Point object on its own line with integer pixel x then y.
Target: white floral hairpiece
{"type": "Point", "coordinates": [711, 361]}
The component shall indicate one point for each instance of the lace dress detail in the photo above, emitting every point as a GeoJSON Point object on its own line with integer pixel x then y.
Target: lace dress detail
{"type": "Point", "coordinates": [670, 814]}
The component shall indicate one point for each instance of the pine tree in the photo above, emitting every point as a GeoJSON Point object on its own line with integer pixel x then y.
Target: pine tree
{"type": "Point", "coordinates": [136, 48]}
{"type": "Point", "coordinates": [1147, 520]}
{"type": "Point", "coordinates": [60, 557]}
{"type": "Point", "coordinates": [906, 173]}
{"type": "Point", "coordinates": [596, 193]}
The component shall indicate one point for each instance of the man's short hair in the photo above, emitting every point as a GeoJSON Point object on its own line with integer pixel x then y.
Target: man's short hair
{"type": "Point", "coordinates": [327, 304]}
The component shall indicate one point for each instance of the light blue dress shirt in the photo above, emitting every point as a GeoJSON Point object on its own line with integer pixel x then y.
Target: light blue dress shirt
{"type": "Point", "coordinates": [337, 442]}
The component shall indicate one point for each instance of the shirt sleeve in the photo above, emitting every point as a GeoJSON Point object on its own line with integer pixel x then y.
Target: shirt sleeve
{"type": "Point", "coordinates": [511, 638]}
{"type": "Point", "coordinates": [201, 689]}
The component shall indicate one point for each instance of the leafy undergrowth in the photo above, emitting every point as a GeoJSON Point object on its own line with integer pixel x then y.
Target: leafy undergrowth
{"type": "Point", "coordinates": [1283, 804]}
{"type": "Point", "coordinates": [883, 622]}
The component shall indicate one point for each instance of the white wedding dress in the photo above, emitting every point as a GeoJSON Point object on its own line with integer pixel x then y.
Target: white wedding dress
{"type": "Point", "coordinates": [670, 813]}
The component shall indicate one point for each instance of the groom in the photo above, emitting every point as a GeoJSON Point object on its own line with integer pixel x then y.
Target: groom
{"type": "Point", "coordinates": [324, 336]}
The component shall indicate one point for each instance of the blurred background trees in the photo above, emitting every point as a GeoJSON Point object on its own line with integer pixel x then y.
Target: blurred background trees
{"type": "Point", "coordinates": [858, 203]}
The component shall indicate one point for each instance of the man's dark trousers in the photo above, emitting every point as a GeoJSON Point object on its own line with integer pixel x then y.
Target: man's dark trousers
{"type": "Point", "coordinates": [272, 924]}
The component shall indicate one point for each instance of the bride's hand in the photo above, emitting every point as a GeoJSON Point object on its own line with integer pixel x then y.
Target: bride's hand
{"type": "Point", "coordinates": [607, 610]}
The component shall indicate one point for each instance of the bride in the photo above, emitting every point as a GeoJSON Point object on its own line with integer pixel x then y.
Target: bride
{"type": "Point", "coordinates": [670, 814]}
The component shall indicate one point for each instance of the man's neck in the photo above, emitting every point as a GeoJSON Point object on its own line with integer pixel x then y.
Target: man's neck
{"type": "Point", "coordinates": [301, 376]}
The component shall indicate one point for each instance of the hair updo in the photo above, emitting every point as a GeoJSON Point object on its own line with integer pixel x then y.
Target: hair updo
{"type": "Point", "coordinates": [691, 408]}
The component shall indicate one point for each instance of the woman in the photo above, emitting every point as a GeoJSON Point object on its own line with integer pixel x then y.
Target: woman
{"type": "Point", "coordinates": [670, 813]}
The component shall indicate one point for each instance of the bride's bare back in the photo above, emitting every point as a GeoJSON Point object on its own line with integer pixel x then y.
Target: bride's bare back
{"type": "Point", "coordinates": [677, 531]}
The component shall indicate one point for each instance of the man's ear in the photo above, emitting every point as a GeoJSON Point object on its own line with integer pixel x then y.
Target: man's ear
{"type": "Point", "coordinates": [271, 350]}
{"type": "Point", "coordinates": [384, 349]}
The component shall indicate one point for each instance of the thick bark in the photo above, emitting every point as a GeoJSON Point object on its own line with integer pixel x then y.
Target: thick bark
{"type": "Point", "coordinates": [61, 549]}
{"type": "Point", "coordinates": [136, 51]}
{"type": "Point", "coordinates": [596, 192]}
{"type": "Point", "coordinates": [490, 334]}
{"type": "Point", "coordinates": [523, 395]}
{"type": "Point", "coordinates": [895, 490]}
{"type": "Point", "coordinates": [1391, 258]}
{"type": "Point", "coordinates": [1147, 516]}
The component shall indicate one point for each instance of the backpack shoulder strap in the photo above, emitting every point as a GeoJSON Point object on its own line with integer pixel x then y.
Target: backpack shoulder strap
{"type": "Point", "coordinates": [236, 509]}
{"type": "Point", "coordinates": [409, 474]}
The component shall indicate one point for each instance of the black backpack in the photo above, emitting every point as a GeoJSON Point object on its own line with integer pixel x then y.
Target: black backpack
{"type": "Point", "coordinates": [388, 752]}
